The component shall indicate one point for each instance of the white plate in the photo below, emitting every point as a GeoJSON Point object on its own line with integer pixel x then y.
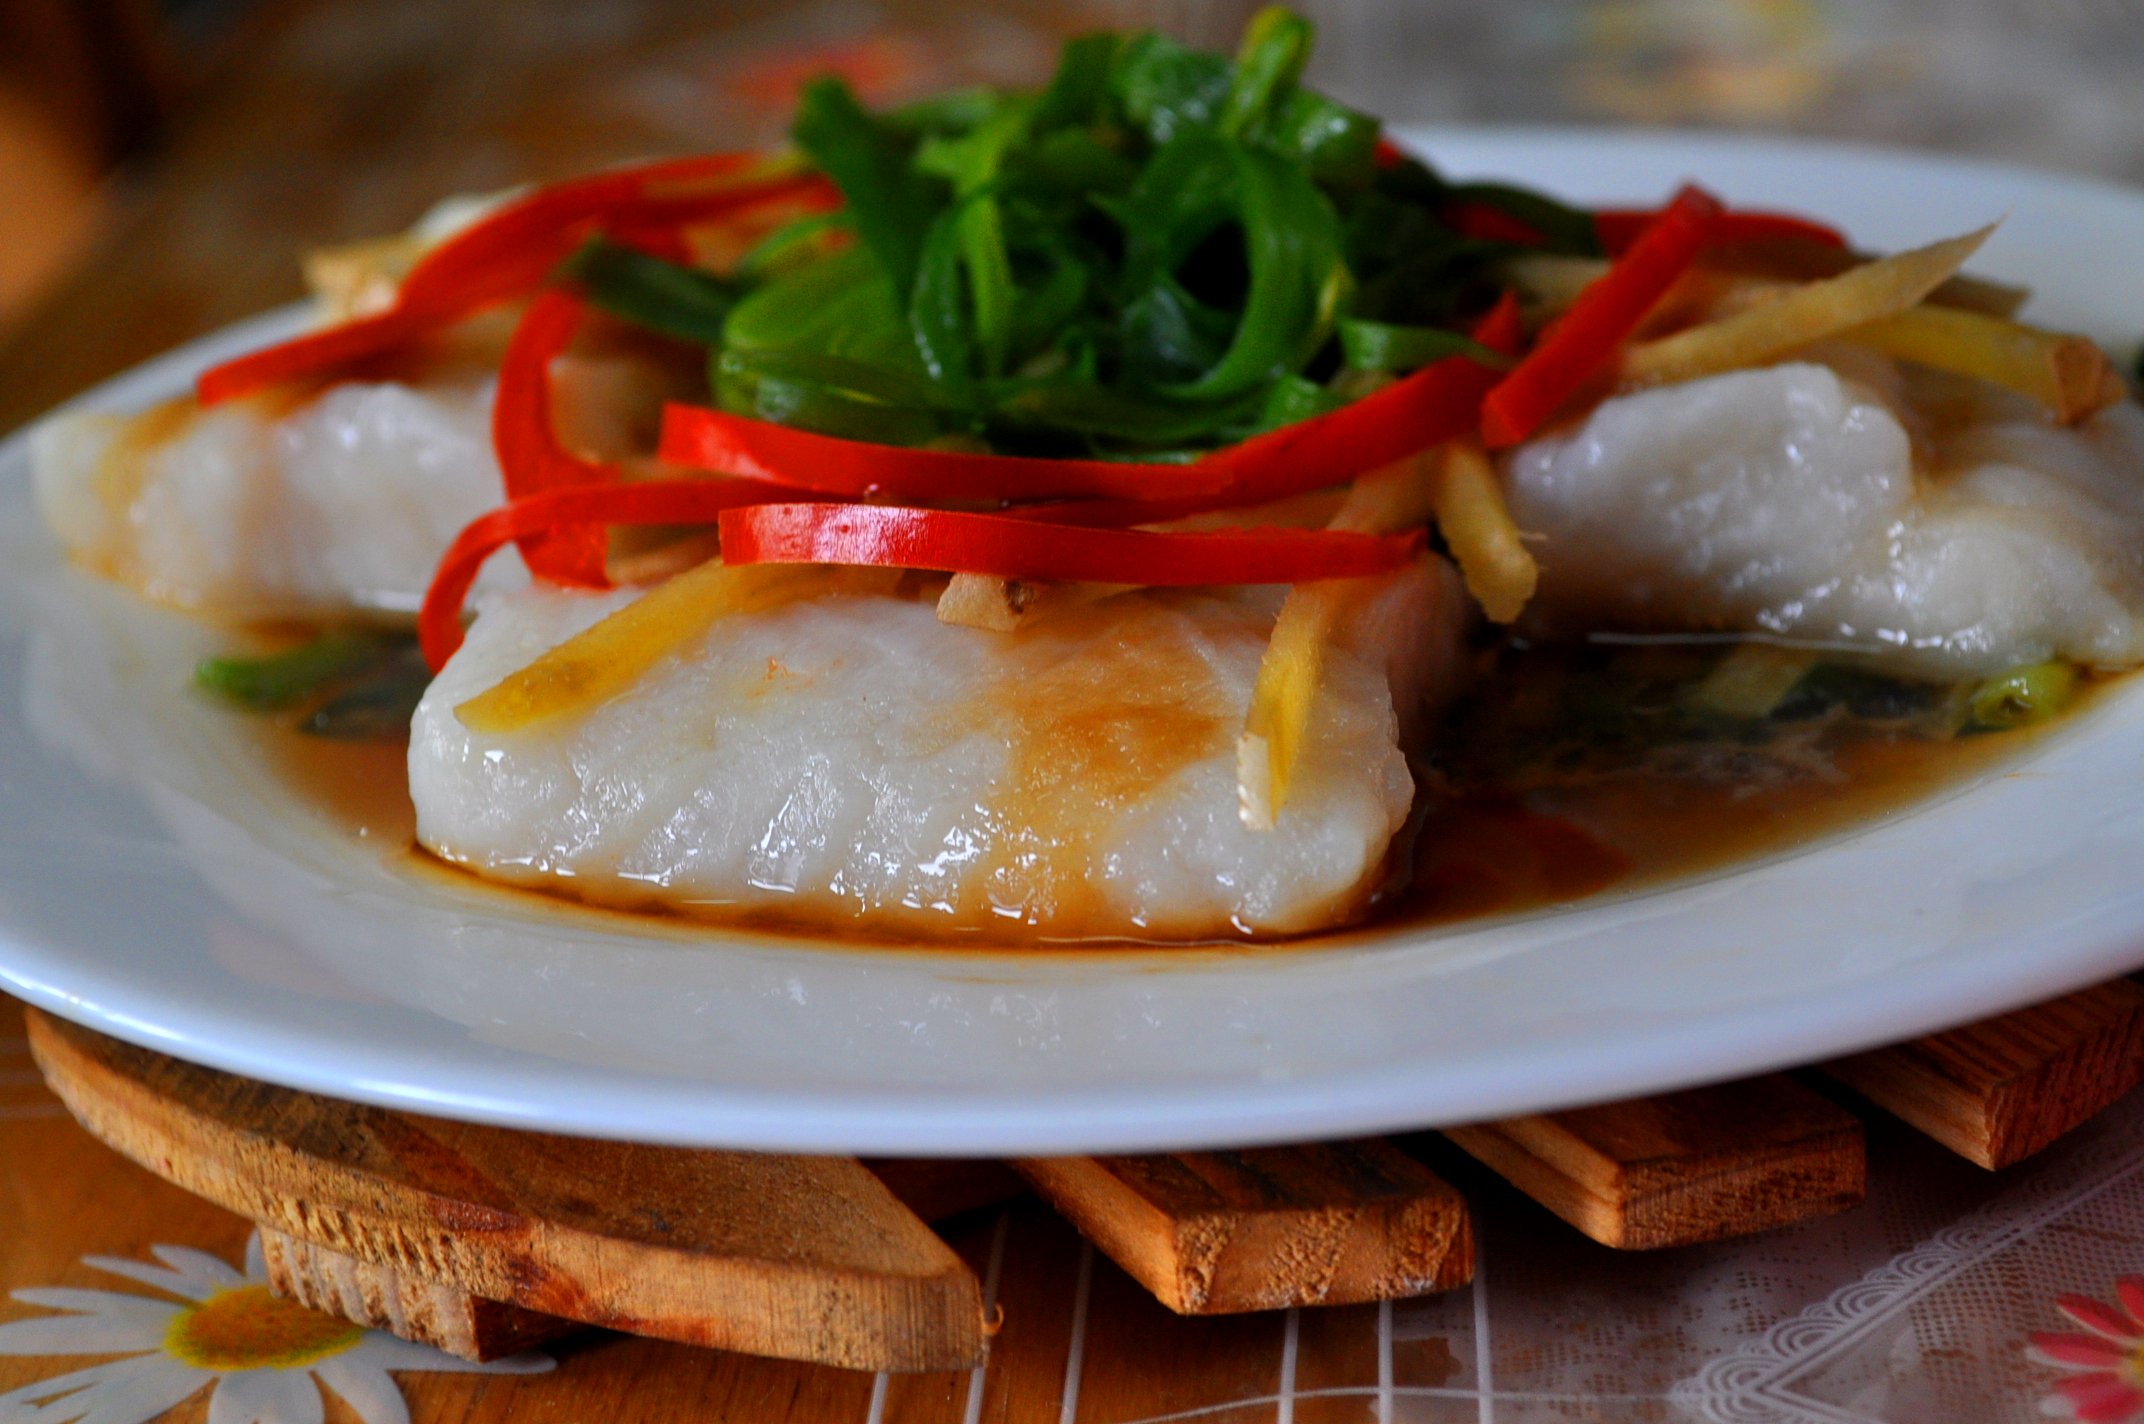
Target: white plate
{"type": "Point", "coordinates": [156, 887]}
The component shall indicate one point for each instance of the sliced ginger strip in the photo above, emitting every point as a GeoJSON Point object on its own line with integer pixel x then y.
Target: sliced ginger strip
{"type": "Point", "coordinates": [1282, 700]}
{"type": "Point", "coordinates": [1963, 326]}
{"type": "Point", "coordinates": [1400, 496]}
{"type": "Point", "coordinates": [604, 659]}
{"type": "Point", "coordinates": [1006, 605]}
{"type": "Point", "coordinates": [1801, 315]}
{"type": "Point", "coordinates": [1549, 282]}
{"type": "Point", "coordinates": [1796, 261]}
{"type": "Point", "coordinates": [1751, 681]}
{"type": "Point", "coordinates": [1478, 529]}
{"type": "Point", "coordinates": [1456, 486]}
{"type": "Point", "coordinates": [359, 278]}
{"type": "Point", "coordinates": [2068, 374]}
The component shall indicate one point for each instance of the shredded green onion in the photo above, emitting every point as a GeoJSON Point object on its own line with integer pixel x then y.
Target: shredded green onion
{"type": "Point", "coordinates": [1384, 346]}
{"type": "Point", "coordinates": [1160, 251]}
{"type": "Point", "coordinates": [664, 296]}
{"type": "Point", "coordinates": [285, 679]}
{"type": "Point", "coordinates": [350, 683]}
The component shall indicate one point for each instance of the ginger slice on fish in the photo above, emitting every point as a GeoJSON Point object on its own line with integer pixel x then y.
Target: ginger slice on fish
{"type": "Point", "coordinates": [606, 658]}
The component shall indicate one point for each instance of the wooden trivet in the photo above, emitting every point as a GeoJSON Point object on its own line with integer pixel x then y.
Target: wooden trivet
{"type": "Point", "coordinates": [485, 1240]}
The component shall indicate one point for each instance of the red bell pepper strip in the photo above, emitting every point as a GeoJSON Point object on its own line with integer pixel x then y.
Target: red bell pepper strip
{"type": "Point", "coordinates": [490, 261]}
{"type": "Point", "coordinates": [1071, 539]}
{"type": "Point", "coordinates": [444, 276]}
{"type": "Point", "coordinates": [1490, 224]}
{"type": "Point", "coordinates": [1618, 228]}
{"type": "Point", "coordinates": [524, 435]}
{"type": "Point", "coordinates": [439, 622]}
{"type": "Point", "coordinates": [1433, 405]}
{"type": "Point", "coordinates": [702, 439]}
{"type": "Point", "coordinates": [952, 541]}
{"type": "Point", "coordinates": [328, 349]}
{"type": "Point", "coordinates": [1440, 402]}
{"type": "Point", "coordinates": [897, 536]}
{"type": "Point", "coordinates": [1604, 315]}
{"type": "Point", "coordinates": [1426, 408]}
{"type": "Point", "coordinates": [507, 254]}
{"type": "Point", "coordinates": [1500, 328]}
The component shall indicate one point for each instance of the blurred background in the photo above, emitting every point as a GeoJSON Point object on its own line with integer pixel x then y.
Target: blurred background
{"type": "Point", "coordinates": [163, 161]}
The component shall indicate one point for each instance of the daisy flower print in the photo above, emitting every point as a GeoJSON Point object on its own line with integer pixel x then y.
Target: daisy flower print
{"type": "Point", "coordinates": [2105, 1357]}
{"type": "Point", "coordinates": [264, 1359]}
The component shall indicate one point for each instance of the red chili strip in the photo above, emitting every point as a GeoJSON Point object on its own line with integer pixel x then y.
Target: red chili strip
{"type": "Point", "coordinates": [443, 275]}
{"type": "Point", "coordinates": [494, 264]}
{"type": "Point", "coordinates": [1490, 224]}
{"type": "Point", "coordinates": [524, 435]}
{"type": "Point", "coordinates": [1440, 402]}
{"type": "Point", "coordinates": [896, 536]}
{"type": "Point", "coordinates": [702, 439]}
{"type": "Point", "coordinates": [439, 623]}
{"type": "Point", "coordinates": [507, 254]}
{"type": "Point", "coordinates": [1618, 228]}
{"type": "Point", "coordinates": [328, 349]}
{"type": "Point", "coordinates": [1602, 318]}
{"type": "Point", "coordinates": [1068, 540]}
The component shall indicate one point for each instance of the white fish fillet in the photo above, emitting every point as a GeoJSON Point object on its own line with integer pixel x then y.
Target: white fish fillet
{"type": "Point", "coordinates": [852, 762]}
{"type": "Point", "coordinates": [345, 502]}
{"type": "Point", "coordinates": [1792, 502]}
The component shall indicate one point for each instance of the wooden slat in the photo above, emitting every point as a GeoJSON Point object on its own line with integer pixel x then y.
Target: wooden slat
{"type": "Point", "coordinates": [1683, 1167]}
{"type": "Point", "coordinates": [1998, 1091]}
{"type": "Point", "coordinates": [808, 1258]}
{"type": "Point", "coordinates": [1217, 1232]}
{"type": "Point", "coordinates": [415, 1309]}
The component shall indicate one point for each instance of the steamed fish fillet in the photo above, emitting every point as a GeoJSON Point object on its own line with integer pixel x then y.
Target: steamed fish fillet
{"type": "Point", "coordinates": [344, 502]}
{"type": "Point", "coordinates": [1794, 502]}
{"type": "Point", "coordinates": [852, 762]}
